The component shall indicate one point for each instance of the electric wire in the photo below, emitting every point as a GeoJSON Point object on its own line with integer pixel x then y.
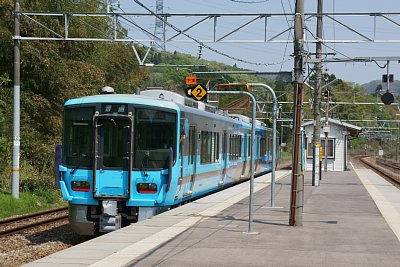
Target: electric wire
{"type": "Point", "coordinates": [290, 34]}
{"type": "Point", "coordinates": [202, 43]}
{"type": "Point", "coordinates": [150, 35]}
{"type": "Point", "coordinates": [338, 52]}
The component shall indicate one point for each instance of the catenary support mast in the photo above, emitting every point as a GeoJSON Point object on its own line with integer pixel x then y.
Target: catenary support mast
{"type": "Point", "coordinates": [17, 86]}
{"type": "Point", "coordinates": [297, 188]}
{"type": "Point", "coordinates": [317, 99]}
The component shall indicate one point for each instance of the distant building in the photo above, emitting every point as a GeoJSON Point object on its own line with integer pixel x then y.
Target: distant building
{"type": "Point", "coordinates": [338, 133]}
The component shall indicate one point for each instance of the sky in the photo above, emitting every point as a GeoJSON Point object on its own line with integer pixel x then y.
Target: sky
{"type": "Point", "coordinates": [277, 56]}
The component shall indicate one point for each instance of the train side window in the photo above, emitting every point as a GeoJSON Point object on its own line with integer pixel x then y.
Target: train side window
{"type": "Point", "coordinates": [209, 147]}
{"type": "Point", "coordinates": [249, 146]}
{"type": "Point", "coordinates": [231, 150]}
{"type": "Point", "coordinates": [216, 154]}
{"type": "Point", "coordinates": [192, 144]}
{"type": "Point", "coordinates": [235, 146]}
{"type": "Point", "coordinates": [263, 147]}
{"type": "Point", "coordinates": [224, 143]}
{"type": "Point", "coordinates": [240, 145]}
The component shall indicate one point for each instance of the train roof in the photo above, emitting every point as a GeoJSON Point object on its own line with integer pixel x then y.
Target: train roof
{"type": "Point", "coordinates": [165, 99]}
{"type": "Point", "coordinates": [185, 101]}
{"type": "Point", "coordinates": [121, 98]}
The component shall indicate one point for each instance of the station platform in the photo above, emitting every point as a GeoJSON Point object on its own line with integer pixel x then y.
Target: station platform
{"type": "Point", "coordinates": [351, 219]}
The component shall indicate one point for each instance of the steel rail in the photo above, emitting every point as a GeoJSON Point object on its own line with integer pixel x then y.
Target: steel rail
{"type": "Point", "coordinates": [20, 219]}
{"type": "Point", "coordinates": [31, 215]}
{"type": "Point", "coordinates": [384, 173]}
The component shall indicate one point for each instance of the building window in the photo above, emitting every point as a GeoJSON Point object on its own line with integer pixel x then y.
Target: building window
{"type": "Point", "coordinates": [263, 147]}
{"type": "Point", "coordinates": [209, 152]}
{"type": "Point", "coordinates": [330, 149]}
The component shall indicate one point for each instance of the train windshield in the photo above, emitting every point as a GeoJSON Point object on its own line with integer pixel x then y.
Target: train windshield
{"type": "Point", "coordinates": [155, 133]}
{"type": "Point", "coordinates": [78, 137]}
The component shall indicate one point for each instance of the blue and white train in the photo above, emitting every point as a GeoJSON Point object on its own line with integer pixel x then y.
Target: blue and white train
{"type": "Point", "coordinates": [126, 158]}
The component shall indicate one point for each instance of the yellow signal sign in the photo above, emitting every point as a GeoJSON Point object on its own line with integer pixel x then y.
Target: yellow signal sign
{"type": "Point", "coordinates": [197, 93]}
{"type": "Point", "coordinates": [320, 153]}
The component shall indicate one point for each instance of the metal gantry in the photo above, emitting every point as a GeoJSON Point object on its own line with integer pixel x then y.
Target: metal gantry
{"type": "Point", "coordinates": [218, 34]}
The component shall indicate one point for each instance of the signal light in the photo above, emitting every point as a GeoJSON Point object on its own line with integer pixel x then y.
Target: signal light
{"type": "Point", "coordinates": [146, 188]}
{"type": "Point", "coordinates": [81, 186]}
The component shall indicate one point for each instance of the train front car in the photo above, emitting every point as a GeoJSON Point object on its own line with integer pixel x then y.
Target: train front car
{"type": "Point", "coordinates": [129, 157]}
{"type": "Point", "coordinates": [118, 160]}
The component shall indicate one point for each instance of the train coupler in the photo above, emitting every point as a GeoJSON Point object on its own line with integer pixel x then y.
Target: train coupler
{"type": "Point", "coordinates": [110, 220]}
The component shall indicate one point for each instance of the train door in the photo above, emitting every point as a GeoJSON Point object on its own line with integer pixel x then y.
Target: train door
{"type": "Point", "coordinates": [112, 153]}
{"type": "Point", "coordinates": [192, 156]}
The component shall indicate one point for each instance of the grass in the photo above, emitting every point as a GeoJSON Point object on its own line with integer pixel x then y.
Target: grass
{"type": "Point", "coordinates": [29, 202]}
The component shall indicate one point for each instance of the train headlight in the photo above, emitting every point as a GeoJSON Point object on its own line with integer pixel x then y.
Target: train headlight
{"type": "Point", "coordinates": [82, 186]}
{"type": "Point", "coordinates": [146, 188]}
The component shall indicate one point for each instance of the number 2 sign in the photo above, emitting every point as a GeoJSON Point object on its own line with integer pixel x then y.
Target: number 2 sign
{"type": "Point", "coordinates": [197, 92]}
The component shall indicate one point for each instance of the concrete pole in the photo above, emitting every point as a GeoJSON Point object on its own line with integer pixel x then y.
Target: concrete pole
{"type": "Point", "coordinates": [297, 188]}
{"type": "Point", "coordinates": [317, 99]}
{"type": "Point", "coordinates": [17, 87]}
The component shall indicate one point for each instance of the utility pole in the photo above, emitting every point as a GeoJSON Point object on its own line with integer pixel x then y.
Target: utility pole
{"type": "Point", "coordinates": [16, 118]}
{"type": "Point", "coordinates": [297, 188]}
{"type": "Point", "coordinates": [317, 99]}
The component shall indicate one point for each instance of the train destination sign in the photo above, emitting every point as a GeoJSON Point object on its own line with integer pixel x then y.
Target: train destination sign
{"type": "Point", "coordinates": [197, 92]}
{"type": "Point", "coordinates": [191, 80]}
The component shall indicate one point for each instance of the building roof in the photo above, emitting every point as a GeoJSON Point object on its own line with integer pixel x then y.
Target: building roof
{"type": "Point", "coordinates": [353, 129]}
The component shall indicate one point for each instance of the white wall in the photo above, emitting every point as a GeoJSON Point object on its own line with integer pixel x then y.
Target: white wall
{"type": "Point", "coordinates": [336, 132]}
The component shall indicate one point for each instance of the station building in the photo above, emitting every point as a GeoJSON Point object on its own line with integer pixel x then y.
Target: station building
{"type": "Point", "coordinates": [337, 148]}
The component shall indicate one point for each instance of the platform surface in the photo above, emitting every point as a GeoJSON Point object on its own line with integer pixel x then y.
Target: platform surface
{"type": "Point", "coordinates": [342, 226]}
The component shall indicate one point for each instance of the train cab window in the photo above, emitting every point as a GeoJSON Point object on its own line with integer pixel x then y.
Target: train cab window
{"type": "Point", "coordinates": [78, 137]}
{"type": "Point", "coordinates": [115, 143]}
{"type": "Point", "coordinates": [155, 132]}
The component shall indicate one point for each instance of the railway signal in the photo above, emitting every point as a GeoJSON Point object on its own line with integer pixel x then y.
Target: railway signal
{"type": "Point", "coordinates": [387, 98]}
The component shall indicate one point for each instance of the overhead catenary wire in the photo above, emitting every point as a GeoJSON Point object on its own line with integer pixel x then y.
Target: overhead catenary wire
{"type": "Point", "coordinates": [204, 45]}
{"type": "Point", "coordinates": [290, 34]}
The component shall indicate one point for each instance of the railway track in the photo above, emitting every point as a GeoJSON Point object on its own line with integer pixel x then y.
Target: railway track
{"type": "Point", "coordinates": [391, 164]}
{"type": "Point", "coordinates": [28, 221]}
{"type": "Point", "coordinates": [389, 169]}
